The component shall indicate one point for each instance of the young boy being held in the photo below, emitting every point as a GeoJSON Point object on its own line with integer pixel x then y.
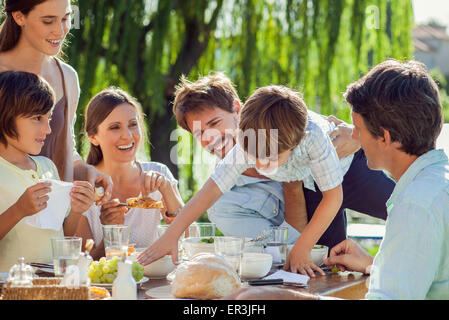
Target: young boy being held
{"type": "Point", "coordinates": [26, 103]}
{"type": "Point", "coordinates": [209, 109]}
{"type": "Point", "coordinates": [301, 151]}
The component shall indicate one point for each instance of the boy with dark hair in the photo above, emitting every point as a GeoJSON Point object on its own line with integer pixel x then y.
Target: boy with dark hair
{"type": "Point", "coordinates": [26, 103]}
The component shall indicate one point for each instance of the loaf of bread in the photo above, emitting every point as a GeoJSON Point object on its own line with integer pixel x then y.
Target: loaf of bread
{"type": "Point", "coordinates": [205, 276]}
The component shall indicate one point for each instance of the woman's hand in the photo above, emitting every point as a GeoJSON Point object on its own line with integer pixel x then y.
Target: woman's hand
{"type": "Point", "coordinates": [155, 181]}
{"type": "Point", "coordinates": [300, 261]}
{"type": "Point", "coordinates": [167, 219]}
{"type": "Point", "coordinates": [34, 199]}
{"type": "Point", "coordinates": [347, 255]}
{"type": "Point", "coordinates": [165, 245]}
{"type": "Point", "coordinates": [111, 213]}
{"type": "Point", "coordinates": [82, 196]}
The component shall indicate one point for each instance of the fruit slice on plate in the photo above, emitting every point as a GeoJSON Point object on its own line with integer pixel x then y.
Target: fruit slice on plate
{"type": "Point", "coordinates": [131, 249]}
{"type": "Point", "coordinates": [143, 203]}
{"type": "Point", "coordinates": [98, 293]}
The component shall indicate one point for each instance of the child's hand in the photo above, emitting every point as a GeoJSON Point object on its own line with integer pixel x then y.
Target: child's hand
{"type": "Point", "coordinates": [82, 195]}
{"type": "Point", "coordinates": [97, 178]}
{"type": "Point", "coordinates": [165, 245]}
{"type": "Point", "coordinates": [343, 142]}
{"type": "Point", "coordinates": [34, 199]}
{"type": "Point", "coordinates": [300, 261]}
{"type": "Point", "coordinates": [155, 181]}
{"type": "Point", "coordinates": [112, 213]}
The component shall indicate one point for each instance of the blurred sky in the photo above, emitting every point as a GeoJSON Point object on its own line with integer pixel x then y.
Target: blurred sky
{"type": "Point", "coordinates": [426, 10]}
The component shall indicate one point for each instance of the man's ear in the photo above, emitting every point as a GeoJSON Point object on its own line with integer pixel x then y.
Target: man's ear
{"type": "Point", "coordinates": [388, 141]}
{"type": "Point", "coordinates": [386, 138]}
{"type": "Point", "coordinates": [236, 106]}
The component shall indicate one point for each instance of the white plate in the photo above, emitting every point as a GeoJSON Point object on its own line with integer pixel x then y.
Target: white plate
{"type": "Point", "coordinates": [158, 278]}
{"type": "Point", "coordinates": [109, 285]}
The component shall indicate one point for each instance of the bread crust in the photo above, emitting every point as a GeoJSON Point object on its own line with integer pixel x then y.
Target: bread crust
{"type": "Point", "coordinates": [205, 276]}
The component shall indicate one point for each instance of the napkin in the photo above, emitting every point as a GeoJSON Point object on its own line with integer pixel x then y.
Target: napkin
{"type": "Point", "coordinates": [289, 277]}
{"type": "Point", "coordinates": [58, 204]}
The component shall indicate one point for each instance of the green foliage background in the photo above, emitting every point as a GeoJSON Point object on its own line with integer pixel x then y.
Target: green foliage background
{"type": "Point", "coordinates": [315, 46]}
{"type": "Point", "coordinates": [144, 46]}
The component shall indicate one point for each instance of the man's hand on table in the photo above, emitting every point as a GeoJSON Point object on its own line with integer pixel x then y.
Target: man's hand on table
{"type": "Point", "coordinates": [347, 255]}
{"type": "Point", "coordinates": [269, 293]}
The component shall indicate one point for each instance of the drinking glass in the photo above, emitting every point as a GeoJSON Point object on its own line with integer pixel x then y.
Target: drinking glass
{"type": "Point", "coordinates": [66, 252]}
{"type": "Point", "coordinates": [161, 229]}
{"type": "Point", "coordinates": [277, 245]}
{"type": "Point", "coordinates": [202, 229]}
{"type": "Point", "coordinates": [231, 248]}
{"type": "Point", "coordinates": [116, 238]}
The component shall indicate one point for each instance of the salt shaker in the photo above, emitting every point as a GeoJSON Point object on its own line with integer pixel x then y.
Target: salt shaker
{"type": "Point", "coordinates": [83, 264]}
{"type": "Point", "coordinates": [124, 286]}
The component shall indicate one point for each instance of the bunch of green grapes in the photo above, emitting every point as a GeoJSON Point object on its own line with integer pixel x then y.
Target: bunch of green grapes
{"type": "Point", "coordinates": [105, 271]}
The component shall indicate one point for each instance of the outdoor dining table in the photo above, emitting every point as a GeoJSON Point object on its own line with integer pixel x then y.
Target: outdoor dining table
{"type": "Point", "coordinates": [344, 285]}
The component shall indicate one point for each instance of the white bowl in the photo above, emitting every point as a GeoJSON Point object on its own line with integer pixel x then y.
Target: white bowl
{"type": "Point", "coordinates": [256, 265]}
{"type": "Point", "coordinates": [159, 268]}
{"type": "Point", "coordinates": [192, 246]}
{"type": "Point", "coordinates": [319, 253]}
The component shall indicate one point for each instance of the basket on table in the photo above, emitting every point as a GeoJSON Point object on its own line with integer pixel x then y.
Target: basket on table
{"type": "Point", "coordinates": [45, 289]}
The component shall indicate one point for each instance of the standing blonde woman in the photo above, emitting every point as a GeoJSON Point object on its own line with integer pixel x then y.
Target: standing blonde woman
{"type": "Point", "coordinates": [31, 38]}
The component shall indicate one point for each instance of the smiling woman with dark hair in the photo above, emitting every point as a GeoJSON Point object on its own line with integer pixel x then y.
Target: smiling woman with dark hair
{"type": "Point", "coordinates": [31, 39]}
{"type": "Point", "coordinates": [115, 128]}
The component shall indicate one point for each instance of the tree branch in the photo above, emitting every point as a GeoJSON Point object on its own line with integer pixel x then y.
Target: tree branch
{"type": "Point", "coordinates": [213, 21]}
{"type": "Point", "coordinates": [148, 27]}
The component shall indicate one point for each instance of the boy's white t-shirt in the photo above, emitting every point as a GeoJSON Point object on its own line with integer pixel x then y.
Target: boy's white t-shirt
{"type": "Point", "coordinates": [142, 222]}
{"type": "Point", "coordinates": [24, 240]}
